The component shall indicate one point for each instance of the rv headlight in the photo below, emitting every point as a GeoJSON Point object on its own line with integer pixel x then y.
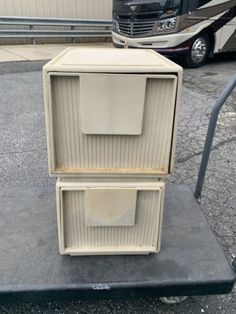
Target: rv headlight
{"type": "Point", "coordinates": [167, 25]}
{"type": "Point", "coordinates": [114, 25]}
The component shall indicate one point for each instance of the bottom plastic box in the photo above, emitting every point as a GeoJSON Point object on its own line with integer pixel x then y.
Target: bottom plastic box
{"type": "Point", "coordinates": [109, 218]}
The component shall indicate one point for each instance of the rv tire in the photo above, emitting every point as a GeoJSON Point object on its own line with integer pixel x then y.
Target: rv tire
{"type": "Point", "coordinates": [199, 51]}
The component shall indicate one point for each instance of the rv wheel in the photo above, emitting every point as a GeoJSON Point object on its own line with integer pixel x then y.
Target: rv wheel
{"type": "Point", "coordinates": [199, 51]}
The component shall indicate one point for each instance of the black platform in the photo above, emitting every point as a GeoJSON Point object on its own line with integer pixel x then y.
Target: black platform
{"type": "Point", "coordinates": [190, 262]}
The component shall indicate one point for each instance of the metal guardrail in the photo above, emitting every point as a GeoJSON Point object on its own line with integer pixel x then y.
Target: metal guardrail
{"type": "Point", "coordinates": [210, 134]}
{"type": "Point", "coordinates": [13, 20]}
{"type": "Point", "coordinates": [53, 33]}
{"type": "Point", "coordinates": [105, 26]}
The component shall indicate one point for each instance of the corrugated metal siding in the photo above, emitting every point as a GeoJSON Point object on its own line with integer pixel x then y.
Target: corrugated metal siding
{"type": "Point", "coordinates": [80, 9]}
{"type": "Point", "coordinates": [87, 9]}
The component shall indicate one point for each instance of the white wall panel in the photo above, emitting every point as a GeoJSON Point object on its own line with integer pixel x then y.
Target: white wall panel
{"type": "Point", "coordinates": [94, 9]}
{"type": "Point", "coordinates": [78, 9]}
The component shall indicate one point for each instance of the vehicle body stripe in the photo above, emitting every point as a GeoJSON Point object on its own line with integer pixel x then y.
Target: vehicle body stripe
{"type": "Point", "coordinates": [195, 17]}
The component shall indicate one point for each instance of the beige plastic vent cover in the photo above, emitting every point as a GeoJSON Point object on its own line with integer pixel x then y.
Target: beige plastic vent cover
{"type": "Point", "coordinates": [109, 218]}
{"type": "Point", "coordinates": [111, 111]}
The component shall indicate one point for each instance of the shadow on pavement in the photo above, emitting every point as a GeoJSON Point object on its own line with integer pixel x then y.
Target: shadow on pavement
{"type": "Point", "coordinates": [217, 59]}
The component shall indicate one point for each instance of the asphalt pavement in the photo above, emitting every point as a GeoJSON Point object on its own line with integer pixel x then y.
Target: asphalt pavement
{"type": "Point", "coordinates": [23, 162]}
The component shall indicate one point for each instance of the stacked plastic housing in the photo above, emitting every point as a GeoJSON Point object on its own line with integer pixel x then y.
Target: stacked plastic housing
{"type": "Point", "coordinates": [111, 119]}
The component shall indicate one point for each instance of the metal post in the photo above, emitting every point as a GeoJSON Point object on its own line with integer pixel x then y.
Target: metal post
{"type": "Point", "coordinates": [33, 40]}
{"type": "Point", "coordinates": [107, 28]}
{"type": "Point", "coordinates": [72, 38]}
{"type": "Point", "coordinates": [210, 134]}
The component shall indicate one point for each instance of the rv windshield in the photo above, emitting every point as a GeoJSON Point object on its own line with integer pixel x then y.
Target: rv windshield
{"type": "Point", "coordinates": [162, 8]}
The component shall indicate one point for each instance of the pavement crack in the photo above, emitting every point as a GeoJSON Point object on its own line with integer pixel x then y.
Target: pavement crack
{"type": "Point", "coordinates": [182, 160]}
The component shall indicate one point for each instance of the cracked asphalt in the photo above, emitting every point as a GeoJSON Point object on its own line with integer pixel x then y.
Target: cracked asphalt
{"type": "Point", "coordinates": [23, 162]}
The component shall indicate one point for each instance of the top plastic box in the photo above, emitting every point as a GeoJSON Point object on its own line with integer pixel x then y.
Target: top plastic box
{"type": "Point", "coordinates": [111, 112]}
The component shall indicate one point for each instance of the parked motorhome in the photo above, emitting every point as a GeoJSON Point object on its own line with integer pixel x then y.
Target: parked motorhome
{"type": "Point", "coordinates": [196, 29]}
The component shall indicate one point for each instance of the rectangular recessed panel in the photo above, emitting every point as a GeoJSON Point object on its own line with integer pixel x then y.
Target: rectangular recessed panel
{"type": "Point", "coordinates": [112, 104]}
{"type": "Point", "coordinates": [73, 152]}
{"type": "Point", "coordinates": [110, 207]}
{"type": "Point", "coordinates": [77, 238]}
{"type": "Point", "coordinates": [104, 60]}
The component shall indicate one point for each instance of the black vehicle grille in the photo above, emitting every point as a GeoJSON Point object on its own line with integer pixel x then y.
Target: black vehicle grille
{"type": "Point", "coordinates": [135, 28]}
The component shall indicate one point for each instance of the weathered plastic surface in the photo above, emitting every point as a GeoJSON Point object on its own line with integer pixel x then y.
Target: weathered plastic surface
{"type": "Point", "coordinates": [109, 218]}
{"type": "Point", "coordinates": [111, 112]}
{"type": "Point", "coordinates": [110, 207]}
{"type": "Point", "coordinates": [111, 60]}
{"type": "Point", "coordinates": [115, 105]}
